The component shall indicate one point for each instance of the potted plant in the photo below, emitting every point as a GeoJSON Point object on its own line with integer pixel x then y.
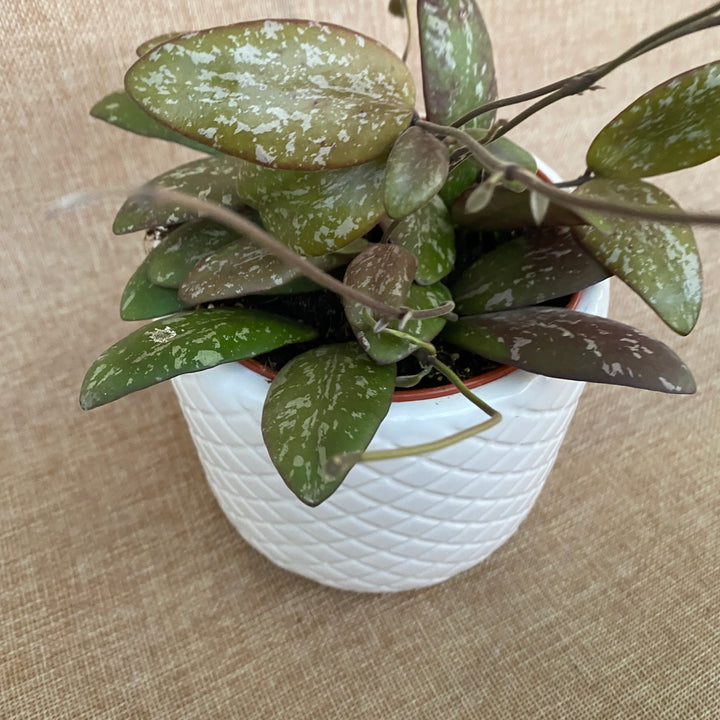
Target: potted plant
{"type": "Point", "coordinates": [378, 265]}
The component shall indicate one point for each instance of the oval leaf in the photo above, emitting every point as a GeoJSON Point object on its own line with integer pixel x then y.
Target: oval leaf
{"type": "Point", "coordinates": [185, 343]}
{"type": "Point", "coordinates": [386, 348]}
{"type": "Point", "coordinates": [457, 60]}
{"type": "Point", "coordinates": [659, 261]}
{"type": "Point", "coordinates": [326, 402]}
{"type": "Point", "coordinates": [429, 235]}
{"type": "Point", "coordinates": [384, 272]}
{"type": "Point", "coordinates": [314, 213]}
{"type": "Point", "coordinates": [242, 268]}
{"type": "Point", "coordinates": [213, 179]}
{"type": "Point", "coordinates": [674, 126]}
{"type": "Point", "coordinates": [537, 266]}
{"type": "Point", "coordinates": [577, 346]}
{"type": "Point", "coordinates": [416, 169]}
{"type": "Point", "coordinates": [121, 110]}
{"type": "Point", "coordinates": [283, 93]}
{"type": "Point", "coordinates": [182, 248]}
{"type": "Point", "coordinates": [143, 300]}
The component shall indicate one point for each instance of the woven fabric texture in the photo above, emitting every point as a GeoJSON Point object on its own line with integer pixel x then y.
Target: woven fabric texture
{"type": "Point", "coordinates": [125, 593]}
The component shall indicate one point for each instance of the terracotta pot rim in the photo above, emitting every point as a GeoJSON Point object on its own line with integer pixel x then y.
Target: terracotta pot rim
{"type": "Point", "coordinates": [424, 393]}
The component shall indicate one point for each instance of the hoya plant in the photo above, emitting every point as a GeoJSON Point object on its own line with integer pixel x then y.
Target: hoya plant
{"type": "Point", "coordinates": [355, 245]}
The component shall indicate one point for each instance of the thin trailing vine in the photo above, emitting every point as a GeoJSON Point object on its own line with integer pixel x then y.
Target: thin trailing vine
{"type": "Point", "coordinates": [427, 355]}
{"type": "Point", "coordinates": [241, 224]}
{"type": "Point", "coordinates": [513, 172]}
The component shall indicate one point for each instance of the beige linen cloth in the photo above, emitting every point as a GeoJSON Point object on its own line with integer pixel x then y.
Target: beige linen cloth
{"type": "Point", "coordinates": [124, 593]}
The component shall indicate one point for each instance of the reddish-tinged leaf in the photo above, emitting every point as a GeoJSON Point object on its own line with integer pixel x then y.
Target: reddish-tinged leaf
{"type": "Point", "coordinates": [457, 60]}
{"type": "Point", "coordinates": [416, 169]}
{"type": "Point", "coordinates": [212, 178]}
{"type": "Point", "coordinates": [539, 265]}
{"type": "Point", "coordinates": [291, 94]}
{"type": "Point", "coordinates": [568, 344]}
{"type": "Point", "coordinates": [385, 272]}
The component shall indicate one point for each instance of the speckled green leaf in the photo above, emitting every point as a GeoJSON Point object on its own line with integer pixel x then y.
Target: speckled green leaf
{"type": "Point", "coordinates": [508, 210]}
{"type": "Point", "coordinates": [509, 152]}
{"type": "Point", "coordinates": [429, 235]}
{"type": "Point", "coordinates": [214, 179]}
{"type": "Point", "coordinates": [384, 272]}
{"type": "Point", "coordinates": [120, 110]}
{"type": "Point", "coordinates": [326, 402]}
{"type": "Point", "coordinates": [243, 268]}
{"type": "Point", "coordinates": [384, 348]}
{"type": "Point", "coordinates": [658, 260]}
{"type": "Point", "coordinates": [568, 344]}
{"type": "Point", "coordinates": [457, 60]}
{"type": "Point", "coordinates": [185, 343]}
{"type": "Point", "coordinates": [152, 43]}
{"type": "Point", "coordinates": [143, 300]}
{"type": "Point", "coordinates": [182, 248]}
{"type": "Point", "coordinates": [674, 126]}
{"type": "Point", "coordinates": [316, 212]}
{"type": "Point", "coordinates": [539, 265]}
{"type": "Point", "coordinates": [464, 173]}
{"type": "Point", "coordinates": [282, 93]}
{"type": "Point", "coordinates": [416, 169]}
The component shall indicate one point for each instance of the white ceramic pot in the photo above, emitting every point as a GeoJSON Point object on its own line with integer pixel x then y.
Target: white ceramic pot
{"type": "Point", "coordinates": [392, 525]}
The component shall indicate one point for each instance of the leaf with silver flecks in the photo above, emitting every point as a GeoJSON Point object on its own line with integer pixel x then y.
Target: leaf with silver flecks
{"type": "Point", "coordinates": [384, 347]}
{"type": "Point", "coordinates": [659, 261]}
{"type": "Point", "coordinates": [121, 110]}
{"type": "Point", "coordinates": [214, 179]}
{"type": "Point", "coordinates": [507, 152]}
{"type": "Point", "coordinates": [676, 125]}
{"type": "Point", "coordinates": [416, 169]}
{"type": "Point", "coordinates": [567, 344]}
{"type": "Point", "coordinates": [384, 272]}
{"type": "Point", "coordinates": [314, 213]}
{"type": "Point", "coordinates": [142, 299]}
{"type": "Point", "coordinates": [457, 60]}
{"type": "Point", "coordinates": [463, 175]}
{"type": "Point", "coordinates": [185, 343]}
{"type": "Point", "coordinates": [243, 268]}
{"type": "Point", "coordinates": [182, 248]}
{"type": "Point", "coordinates": [326, 402]}
{"type": "Point", "coordinates": [289, 94]}
{"type": "Point", "coordinates": [539, 265]}
{"type": "Point", "coordinates": [465, 172]}
{"type": "Point", "coordinates": [429, 235]}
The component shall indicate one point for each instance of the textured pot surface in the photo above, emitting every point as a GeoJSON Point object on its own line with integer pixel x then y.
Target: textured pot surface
{"type": "Point", "coordinates": [392, 525]}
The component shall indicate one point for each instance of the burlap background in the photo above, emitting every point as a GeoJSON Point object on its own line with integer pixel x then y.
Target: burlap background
{"type": "Point", "coordinates": [124, 593]}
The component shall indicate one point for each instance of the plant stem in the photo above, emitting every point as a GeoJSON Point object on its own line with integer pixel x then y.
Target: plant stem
{"type": "Point", "coordinates": [513, 172]}
{"type": "Point", "coordinates": [494, 418]}
{"type": "Point", "coordinates": [580, 82]}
